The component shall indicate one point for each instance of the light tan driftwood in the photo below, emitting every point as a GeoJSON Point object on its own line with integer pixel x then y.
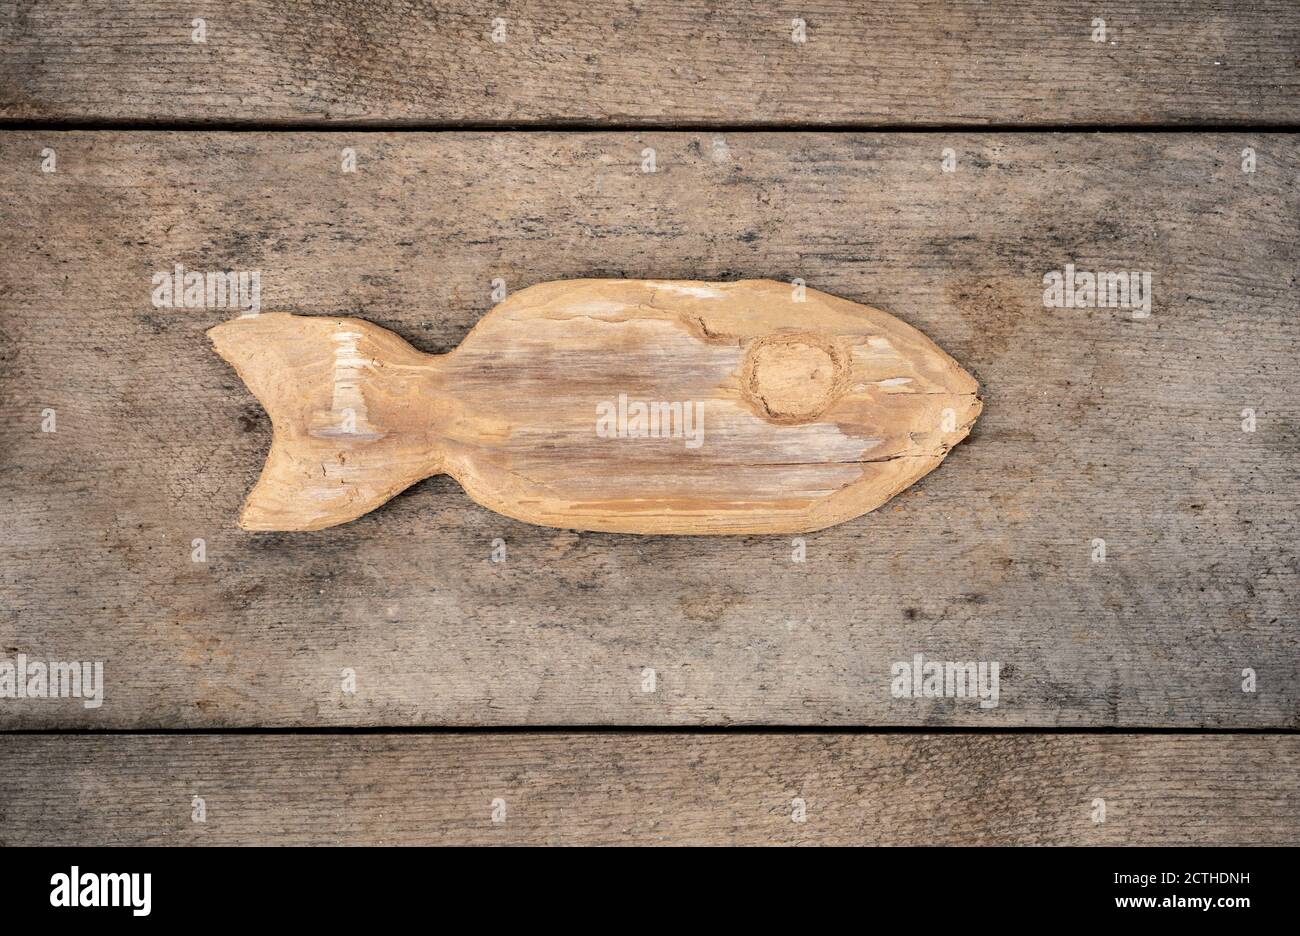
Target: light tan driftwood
{"type": "Point", "coordinates": [631, 406]}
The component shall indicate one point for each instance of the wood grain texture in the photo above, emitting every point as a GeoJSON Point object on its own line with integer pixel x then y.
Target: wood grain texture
{"type": "Point", "coordinates": [689, 61]}
{"type": "Point", "coordinates": [609, 405]}
{"type": "Point", "coordinates": [660, 789]}
{"type": "Point", "coordinates": [1096, 426]}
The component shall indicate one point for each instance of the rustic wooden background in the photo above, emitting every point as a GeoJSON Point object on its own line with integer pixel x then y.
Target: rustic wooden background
{"type": "Point", "coordinates": [773, 159]}
{"type": "Point", "coordinates": [900, 64]}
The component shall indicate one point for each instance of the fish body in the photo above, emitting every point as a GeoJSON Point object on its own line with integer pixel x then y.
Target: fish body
{"type": "Point", "coordinates": [631, 406]}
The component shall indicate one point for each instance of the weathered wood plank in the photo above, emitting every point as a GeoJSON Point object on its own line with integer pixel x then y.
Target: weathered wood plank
{"type": "Point", "coordinates": [1096, 426]}
{"type": "Point", "coordinates": [650, 789]}
{"type": "Point", "coordinates": [691, 61]}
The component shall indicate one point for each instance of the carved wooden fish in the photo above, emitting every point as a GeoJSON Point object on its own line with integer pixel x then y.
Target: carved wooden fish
{"type": "Point", "coordinates": [628, 406]}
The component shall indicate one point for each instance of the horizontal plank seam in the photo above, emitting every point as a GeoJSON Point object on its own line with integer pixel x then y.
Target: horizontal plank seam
{"type": "Point", "coordinates": [415, 126]}
{"type": "Point", "coordinates": [652, 730]}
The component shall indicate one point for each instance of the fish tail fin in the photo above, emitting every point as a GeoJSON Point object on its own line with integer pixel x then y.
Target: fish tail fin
{"type": "Point", "coordinates": [345, 435]}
